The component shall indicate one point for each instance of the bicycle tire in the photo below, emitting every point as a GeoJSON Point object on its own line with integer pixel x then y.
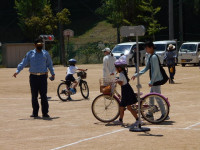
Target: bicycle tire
{"type": "Point", "coordinates": [84, 88]}
{"type": "Point", "coordinates": [104, 105]}
{"type": "Point", "coordinates": [61, 93]}
{"type": "Point", "coordinates": [152, 112]}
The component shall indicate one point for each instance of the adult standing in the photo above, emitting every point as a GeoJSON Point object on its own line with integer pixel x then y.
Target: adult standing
{"type": "Point", "coordinates": [39, 61]}
{"type": "Point", "coordinates": [170, 57]}
{"type": "Point", "coordinates": [108, 64]}
{"type": "Point", "coordinates": [155, 75]}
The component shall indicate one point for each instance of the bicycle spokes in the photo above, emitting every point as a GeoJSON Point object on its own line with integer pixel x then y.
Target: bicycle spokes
{"type": "Point", "coordinates": [154, 108]}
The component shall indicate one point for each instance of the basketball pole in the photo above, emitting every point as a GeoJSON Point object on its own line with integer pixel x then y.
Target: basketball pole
{"type": "Point", "coordinates": [139, 128]}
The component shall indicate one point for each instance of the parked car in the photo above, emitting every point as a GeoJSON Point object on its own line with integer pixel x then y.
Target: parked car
{"type": "Point", "coordinates": [161, 48]}
{"type": "Point", "coordinates": [189, 53]}
{"type": "Point", "coordinates": [127, 50]}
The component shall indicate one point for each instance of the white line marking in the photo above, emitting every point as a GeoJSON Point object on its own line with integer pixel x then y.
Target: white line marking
{"type": "Point", "coordinates": [196, 124]}
{"type": "Point", "coordinates": [83, 140]}
{"type": "Point", "coordinates": [173, 128]}
{"type": "Point", "coordinates": [151, 127]}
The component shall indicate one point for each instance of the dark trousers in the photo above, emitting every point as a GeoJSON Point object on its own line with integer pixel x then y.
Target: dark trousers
{"type": "Point", "coordinates": [172, 72]}
{"type": "Point", "coordinates": [39, 85]}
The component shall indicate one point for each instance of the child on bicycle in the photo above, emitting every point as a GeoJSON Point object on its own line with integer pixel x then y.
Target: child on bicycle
{"type": "Point", "coordinates": [128, 96]}
{"type": "Point", "coordinates": [70, 78]}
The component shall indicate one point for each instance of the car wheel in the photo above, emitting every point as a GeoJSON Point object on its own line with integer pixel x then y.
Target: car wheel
{"type": "Point", "coordinates": [183, 65]}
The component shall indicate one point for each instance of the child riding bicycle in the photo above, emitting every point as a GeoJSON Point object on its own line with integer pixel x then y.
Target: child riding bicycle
{"type": "Point", "coordinates": [70, 78]}
{"type": "Point", "coordinates": [128, 96]}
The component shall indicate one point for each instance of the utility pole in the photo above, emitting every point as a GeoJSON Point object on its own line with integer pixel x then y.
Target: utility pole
{"type": "Point", "coordinates": [181, 21]}
{"type": "Point", "coordinates": [62, 46]}
{"type": "Point", "coordinates": [171, 20]}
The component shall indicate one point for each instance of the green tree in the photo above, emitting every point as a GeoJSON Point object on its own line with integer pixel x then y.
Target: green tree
{"type": "Point", "coordinates": [36, 17]}
{"type": "Point", "coordinates": [120, 12]}
{"type": "Point", "coordinates": [149, 17]}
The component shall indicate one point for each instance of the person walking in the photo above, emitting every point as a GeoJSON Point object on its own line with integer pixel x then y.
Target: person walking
{"type": "Point", "coordinates": [170, 57]}
{"type": "Point", "coordinates": [128, 96]}
{"type": "Point", "coordinates": [108, 65]}
{"type": "Point", "coordinates": [155, 75]}
{"type": "Point", "coordinates": [39, 61]}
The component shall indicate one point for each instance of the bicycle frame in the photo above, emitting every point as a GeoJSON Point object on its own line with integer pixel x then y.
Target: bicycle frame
{"type": "Point", "coordinates": [116, 95]}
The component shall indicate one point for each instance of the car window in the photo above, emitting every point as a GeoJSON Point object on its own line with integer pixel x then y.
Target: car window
{"type": "Point", "coordinates": [160, 47]}
{"type": "Point", "coordinates": [188, 48]}
{"type": "Point", "coordinates": [121, 48]}
{"type": "Point", "coordinates": [199, 47]}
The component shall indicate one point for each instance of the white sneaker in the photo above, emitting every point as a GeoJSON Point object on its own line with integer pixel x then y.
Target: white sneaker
{"type": "Point", "coordinates": [117, 122]}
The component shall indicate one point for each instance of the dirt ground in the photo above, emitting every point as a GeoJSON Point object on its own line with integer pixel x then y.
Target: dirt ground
{"type": "Point", "coordinates": [72, 125]}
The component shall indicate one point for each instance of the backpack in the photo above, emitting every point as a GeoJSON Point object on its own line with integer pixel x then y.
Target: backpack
{"type": "Point", "coordinates": [164, 75]}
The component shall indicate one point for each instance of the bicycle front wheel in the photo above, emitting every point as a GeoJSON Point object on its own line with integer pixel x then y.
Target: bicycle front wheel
{"type": "Point", "coordinates": [84, 89]}
{"type": "Point", "coordinates": [61, 91]}
{"type": "Point", "coordinates": [154, 108]}
{"type": "Point", "coordinates": [105, 108]}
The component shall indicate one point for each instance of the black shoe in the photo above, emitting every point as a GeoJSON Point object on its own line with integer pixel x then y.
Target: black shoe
{"type": "Point", "coordinates": [45, 116]}
{"type": "Point", "coordinates": [33, 115]}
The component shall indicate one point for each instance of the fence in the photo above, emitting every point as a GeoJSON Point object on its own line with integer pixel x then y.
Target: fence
{"type": "Point", "coordinates": [90, 53]}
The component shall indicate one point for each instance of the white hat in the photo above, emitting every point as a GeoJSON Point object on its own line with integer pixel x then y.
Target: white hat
{"type": "Point", "coordinates": [171, 47]}
{"type": "Point", "coordinates": [106, 50]}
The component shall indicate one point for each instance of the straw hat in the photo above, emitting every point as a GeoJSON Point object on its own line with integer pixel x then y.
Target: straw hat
{"type": "Point", "coordinates": [171, 47]}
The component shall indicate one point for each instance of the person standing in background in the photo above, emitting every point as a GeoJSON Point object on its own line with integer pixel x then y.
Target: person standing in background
{"type": "Point", "coordinates": [39, 61]}
{"type": "Point", "coordinates": [108, 64]}
{"type": "Point", "coordinates": [170, 57]}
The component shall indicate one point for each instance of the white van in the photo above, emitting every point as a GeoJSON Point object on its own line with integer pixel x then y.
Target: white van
{"type": "Point", "coordinates": [189, 53]}
{"type": "Point", "coordinates": [127, 50]}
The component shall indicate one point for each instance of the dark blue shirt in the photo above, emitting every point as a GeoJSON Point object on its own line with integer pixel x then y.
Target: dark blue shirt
{"type": "Point", "coordinates": [39, 62]}
{"type": "Point", "coordinates": [170, 57]}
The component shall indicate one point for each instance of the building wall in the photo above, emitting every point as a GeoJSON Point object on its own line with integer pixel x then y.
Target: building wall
{"type": "Point", "coordinates": [14, 53]}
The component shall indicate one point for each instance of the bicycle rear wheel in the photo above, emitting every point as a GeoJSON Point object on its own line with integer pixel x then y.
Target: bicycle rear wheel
{"type": "Point", "coordinates": [154, 108]}
{"type": "Point", "coordinates": [105, 108]}
{"type": "Point", "coordinates": [61, 91]}
{"type": "Point", "coordinates": [84, 89]}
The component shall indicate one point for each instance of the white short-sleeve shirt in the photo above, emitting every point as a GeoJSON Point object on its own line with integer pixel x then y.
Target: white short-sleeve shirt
{"type": "Point", "coordinates": [122, 78]}
{"type": "Point", "coordinates": [71, 69]}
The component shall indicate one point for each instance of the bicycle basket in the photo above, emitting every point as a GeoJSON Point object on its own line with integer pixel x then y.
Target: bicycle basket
{"type": "Point", "coordinates": [82, 74]}
{"type": "Point", "coordinates": [106, 86]}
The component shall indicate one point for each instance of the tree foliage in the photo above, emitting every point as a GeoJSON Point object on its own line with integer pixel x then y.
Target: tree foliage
{"type": "Point", "coordinates": [148, 17]}
{"type": "Point", "coordinates": [36, 17]}
{"type": "Point", "coordinates": [131, 12]}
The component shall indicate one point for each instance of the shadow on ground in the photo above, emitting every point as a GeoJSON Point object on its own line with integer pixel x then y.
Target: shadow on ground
{"type": "Point", "coordinates": [40, 118]}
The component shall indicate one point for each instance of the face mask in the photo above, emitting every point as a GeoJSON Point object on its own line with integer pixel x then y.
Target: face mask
{"type": "Point", "coordinates": [39, 48]}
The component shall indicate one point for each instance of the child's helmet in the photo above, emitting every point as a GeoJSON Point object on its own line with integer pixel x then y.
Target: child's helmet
{"type": "Point", "coordinates": [72, 61]}
{"type": "Point", "coordinates": [120, 63]}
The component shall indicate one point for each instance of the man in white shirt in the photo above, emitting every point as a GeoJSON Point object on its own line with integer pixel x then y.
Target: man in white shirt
{"type": "Point", "coordinates": [108, 64]}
